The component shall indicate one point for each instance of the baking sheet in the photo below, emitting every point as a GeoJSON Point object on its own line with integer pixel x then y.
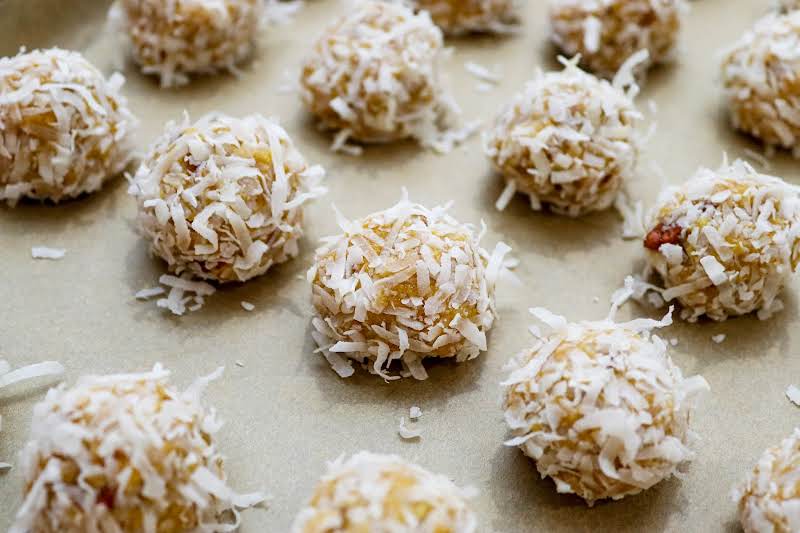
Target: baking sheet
{"type": "Point", "coordinates": [286, 412]}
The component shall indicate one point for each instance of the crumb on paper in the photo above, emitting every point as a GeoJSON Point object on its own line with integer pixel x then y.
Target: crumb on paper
{"type": "Point", "coordinates": [414, 412]}
{"type": "Point", "coordinates": [45, 252]}
{"type": "Point", "coordinates": [247, 306]}
{"type": "Point", "coordinates": [793, 394]}
{"type": "Point", "coordinates": [407, 433]}
{"type": "Point", "coordinates": [673, 341]}
{"type": "Point", "coordinates": [596, 299]}
{"type": "Point", "coordinates": [718, 338]}
{"type": "Point", "coordinates": [148, 293]}
{"type": "Point", "coordinates": [239, 364]}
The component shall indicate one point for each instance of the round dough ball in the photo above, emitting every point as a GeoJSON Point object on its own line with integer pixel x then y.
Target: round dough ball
{"type": "Point", "coordinates": [761, 78]}
{"type": "Point", "coordinates": [600, 406]}
{"type": "Point", "coordinates": [223, 198]}
{"type": "Point", "coordinates": [385, 494]}
{"type": "Point", "coordinates": [172, 39]}
{"type": "Point", "coordinates": [126, 453]}
{"type": "Point", "coordinates": [65, 129]}
{"type": "Point", "coordinates": [568, 140]}
{"type": "Point", "coordinates": [769, 499]}
{"type": "Point", "coordinates": [374, 75]}
{"type": "Point", "coordinates": [725, 242]}
{"type": "Point", "coordinates": [607, 32]}
{"type": "Point", "coordinates": [401, 285]}
{"type": "Point", "coordinates": [457, 17]}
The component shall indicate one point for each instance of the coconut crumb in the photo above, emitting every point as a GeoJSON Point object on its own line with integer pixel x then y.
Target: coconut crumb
{"type": "Point", "coordinates": [414, 413]}
{"type": "Point", "coordinates": [673, 341]}
{"type": "Point", "coordinates": [793, 394]}
{"type": "Point", "coordinates": [633, 216]}
{"type": "Point", "coordinates": [482, 73]}
{"type": "Point", "coordinates": [184, 293]}
{"type": "Point", "coordinates": [718, 338]}
{"type": "Point", "coordinates": [280, 12]}
{"type": "Point", "coordinates": [407, 433]}
{"type": "Point", "coordinates": [147, 293]}
{"type": "Point", "coordinates": [45, 252]}
{"type": "Point", "coordinates": [247, 306]}
{"type": "Point", "coordinates": [239, 364]}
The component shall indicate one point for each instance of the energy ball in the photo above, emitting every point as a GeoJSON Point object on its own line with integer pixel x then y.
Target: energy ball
{"type": "Point", "coordinates": [403, 284]}
{"type": "Point", "coordinates": [568, 141]}
{"type": "Point", "coordinates": [600, 406]}
{"type": "Point", "coordinates": [725, 242]}
{"type": "Point", "coordinates": [64, 128]}
{"type": "Point", "coordinates": [222, 199]}
{"type": "Point", "coordinates": [607, 32]}
{"type": "Point", "coordinates": [761, 79]}
{"type": "Point", "coordinates": [374, 75]}
{"type": "Point", "coordinates": [383, 494]}
{"type": "Point", "coordinates": [769, 499]}
{"type": "Point", "coordinates": [458, 17]}
{"type": "Point", "coordinates": [126, 453]}
{"type": "Point", "coordinates": [172, 39]}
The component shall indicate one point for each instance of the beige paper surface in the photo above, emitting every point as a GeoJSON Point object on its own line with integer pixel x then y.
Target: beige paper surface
{"type": "Point", "coordinates": [286, 412]}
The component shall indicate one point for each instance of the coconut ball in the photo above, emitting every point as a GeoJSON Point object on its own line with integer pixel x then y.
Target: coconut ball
{"type": "Point", "coordinates": [383, 494]}
{"type": "Point", "coordinates": [725, 242]}
{"type": "Point", "coordinates": [457, 17]}
{"type": "Point", "coordinates": [600, 406]}
{"type": "Point", "coordinates": [64, 128]}
{"type": "Point", "coordinates": [403, 284]}
{"type": "Point", "coordinates": [568, 141]}
{"type": "Point", "coordinates": [374, 75]}
{"type": "Point", "coordinates": [126, 453]}
{"type": "Point", "coordinates": [607, 32]}
{"type": "Point", "coordinates": [761, 79]}
{"type": "Point", "coordinates": [172, 39]}
{"type": "Point", "coordinates": [223, 198]}
{"type": "Point", "coordinates": [769, 499]}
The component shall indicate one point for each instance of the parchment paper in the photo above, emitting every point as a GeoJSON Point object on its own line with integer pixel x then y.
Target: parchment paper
{"type": "Point", "coordinates": [286, 411]}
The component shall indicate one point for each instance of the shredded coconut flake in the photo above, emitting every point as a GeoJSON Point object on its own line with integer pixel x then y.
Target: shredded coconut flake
{"type": "Point", "coordinates": [247, 306]}
{"type": "Point", "coordinates": [414, 412]}
{"type": "Point", "coordinates": [45, 252]}
{"type": "Point", "coordinates": [407, 433]}
{"type": "Point", "coordinates": [718, 338]}
{"type": "Point", "coordinates": [793, 394]}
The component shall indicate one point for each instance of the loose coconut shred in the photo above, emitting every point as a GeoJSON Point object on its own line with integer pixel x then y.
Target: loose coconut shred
{"type": "Point", "coordinates": [126, 453]}
{"type": "Point", "coordinates": [403, 284]}
{"type": "Point", "coordinates": [9, 377]}
{"type": "Point", "coordinates": [725, 242]}
{"type": "Point", "coordinates": [175, 38]}
{"type": "Point", "coordinates": [607, 32]}
{"type": "Point", "coordinates": [223, 199]}
{"type": "Point", "coordinates": [600, 406]}
{"type": "Point", "coordinates": [769, 499]}
{"type": "Point", "coordinates": [569, 140]}
{"type": "Point", "coordinates": [760, 74]}
{"type": "Point", "coordinates": [385, 494]}
{"type": "Point", "coordinates": [373, 76]}
{"type": "Point", "coordinates": [64, 128]}
{"type": "Point", "coordinates": [458, 17]}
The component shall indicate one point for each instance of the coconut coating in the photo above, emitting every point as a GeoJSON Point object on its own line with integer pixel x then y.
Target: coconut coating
{"type": "Point", "coordinates": [223, 198]}
{"type": "Point", "coordinates": [125, 453]}
{"type": "Point", "coordinates": [761, 79]}
{"type": "Point", "coordinates": [725, 242]}
{"type": "Point", "coordinates": [374, 74]}
{"type": "Point", "coordinates": [600, 406]}
{"type": "Point", "coordinates": [385, 494]}
{"type": "Point", "coordinates": [769, 499]}
{"type": "Point", "coordinates": [568, 141]}
{"type": "Point", "coordinates": [64, 128]}
{"type": "Point", "coordinates": [172, 39]}
{"type": "Point", "coordinates": [607, 32]}
{"type": "Point", "coordinates": [457, 17]}
{"type": "Point", "coordinates": [401, 285]}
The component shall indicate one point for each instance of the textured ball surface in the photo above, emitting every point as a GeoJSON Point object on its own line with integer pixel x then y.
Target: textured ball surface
{"type": "Point", "coordinates": [568, 140]}
{"type": "Point", "coordinates": [457, 17]}
{"type": "Point", "coordinates": [374, 75]}
{"type": "Point", "coordinates": [600, 406]}
{"type": "Point", "coordinates": [223, 198]}
{"type": "Point", "coordinates": [175, 38]}
{"type": "Point", "coordinates": [607, 32]}
{"type": "Point", "coordinates": [769, 499]}
{"type": "Point", "coordinates": [64, 128]}
{"type": "Point", "coordinates": [385, 494]}
{"type": "Point", "coordinates": [403, 284]}
{"type": "Point", "coordinates": [725, 242]}
{"type": "Point", "coordinates": [126, 453]}
{"type": "Point", "coordinates": [761, 78]}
